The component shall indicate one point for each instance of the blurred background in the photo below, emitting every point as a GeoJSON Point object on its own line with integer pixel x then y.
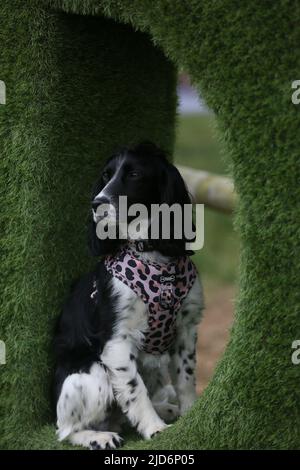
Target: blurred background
{"type": "Point", "coordinates": [198, 146]}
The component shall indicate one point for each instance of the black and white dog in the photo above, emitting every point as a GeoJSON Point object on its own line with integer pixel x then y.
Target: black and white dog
{"type": "Point", "coordinates": [109, 368]}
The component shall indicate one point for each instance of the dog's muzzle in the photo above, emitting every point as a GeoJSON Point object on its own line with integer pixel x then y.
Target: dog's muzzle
{"type": "Point", "coordinates": [103, 209]}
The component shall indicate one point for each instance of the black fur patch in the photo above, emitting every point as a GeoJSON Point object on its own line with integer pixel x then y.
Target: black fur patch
{"type": "Point", "coordinates": [84, 327]}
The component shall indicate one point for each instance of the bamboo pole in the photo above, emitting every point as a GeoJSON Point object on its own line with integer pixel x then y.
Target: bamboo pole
{"type": "Point", "coordinates": [215, 191]}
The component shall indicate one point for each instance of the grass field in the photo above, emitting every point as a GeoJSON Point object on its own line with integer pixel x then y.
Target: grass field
{"type": "Point", "coordinates": [197, 146]}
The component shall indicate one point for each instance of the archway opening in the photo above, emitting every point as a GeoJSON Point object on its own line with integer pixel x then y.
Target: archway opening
{"type": "Point", "coordinates": [199, 146]}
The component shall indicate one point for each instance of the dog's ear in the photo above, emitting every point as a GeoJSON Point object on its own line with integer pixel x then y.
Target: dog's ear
{"type": "Point", "coordinates": [93, 240]}
{"type": "Point", "coordinates": [99, 247]}
{"type": "Point", "coordinates": [174, 191]}
{"type": "Point", "coordinates": [173, 187]}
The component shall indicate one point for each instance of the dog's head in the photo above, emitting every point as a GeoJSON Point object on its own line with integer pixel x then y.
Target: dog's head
{"type": "Point", "coordinates": [145, 176]}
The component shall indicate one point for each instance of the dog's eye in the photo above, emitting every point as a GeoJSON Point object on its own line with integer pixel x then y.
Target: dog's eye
{"type": "Point", "coordinates": [105, 176]}
{"type": "Point", "coordinates": [134, 174]}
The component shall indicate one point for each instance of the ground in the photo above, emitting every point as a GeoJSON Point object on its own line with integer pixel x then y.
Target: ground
{"type": "Point", "coordinates": [213, 333]}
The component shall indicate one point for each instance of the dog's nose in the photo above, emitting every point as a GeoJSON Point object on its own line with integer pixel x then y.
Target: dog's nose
{"type": "Point", "coordinates": [98, 201]}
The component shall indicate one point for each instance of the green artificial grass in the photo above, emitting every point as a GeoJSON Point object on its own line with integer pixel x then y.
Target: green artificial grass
{"type": "Point", "coordinates": [77, 88]}
{"type": "Point", "coordinates": [243, 56]}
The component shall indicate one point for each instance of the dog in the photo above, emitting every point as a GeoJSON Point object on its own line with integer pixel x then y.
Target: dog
{"type": "Point", "coordinates": [125, 341]}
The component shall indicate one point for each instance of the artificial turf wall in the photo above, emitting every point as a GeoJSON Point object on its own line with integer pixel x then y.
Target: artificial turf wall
{"type": "Point", "coordinates": [77, 88]}
{"type": "Point", "coordinates": [244, 56]}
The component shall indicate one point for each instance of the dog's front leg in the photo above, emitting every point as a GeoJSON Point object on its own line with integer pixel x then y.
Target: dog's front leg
{"type": "Point", "coordinates": [119, 355]}
{"type": "Point", "coordinates": [183, 362]}
{"type": "Point", "coordinates": [183, 356]}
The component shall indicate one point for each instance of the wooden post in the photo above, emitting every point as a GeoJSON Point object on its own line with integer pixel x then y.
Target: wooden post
{"type": "Point", "coordinates": [215, 191]}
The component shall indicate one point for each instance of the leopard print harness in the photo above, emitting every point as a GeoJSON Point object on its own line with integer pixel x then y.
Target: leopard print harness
{"type": "Point", "coordinates": [162, 287]}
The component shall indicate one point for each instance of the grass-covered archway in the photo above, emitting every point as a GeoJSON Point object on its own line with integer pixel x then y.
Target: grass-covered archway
{"type": "Point", "coordinates": [243, 56]}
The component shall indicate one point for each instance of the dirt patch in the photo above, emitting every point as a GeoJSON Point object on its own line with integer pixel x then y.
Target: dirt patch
{"type": "Point", "coordinates": [213, 332]}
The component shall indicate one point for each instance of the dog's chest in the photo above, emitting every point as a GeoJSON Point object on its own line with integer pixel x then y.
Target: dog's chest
{"type": "Point", "coordinates": [132, 313]}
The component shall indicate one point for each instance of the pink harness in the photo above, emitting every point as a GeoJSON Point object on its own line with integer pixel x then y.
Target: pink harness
{"type": "Point", "coordinates": [162, 287]}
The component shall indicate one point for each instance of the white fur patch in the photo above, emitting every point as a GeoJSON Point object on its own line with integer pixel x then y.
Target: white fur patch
{"type": "Point", "coordinates": [83, 400]}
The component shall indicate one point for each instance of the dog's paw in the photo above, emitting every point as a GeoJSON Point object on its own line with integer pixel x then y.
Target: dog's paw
{"type": "Point", "coordinates": [167, 411]}
{"type": "Point", "coordinates": [154, 429]}
{"type": "Point", "coordinates": [170, 413]}
{"type": "Point", "coordinates": [105, 440]}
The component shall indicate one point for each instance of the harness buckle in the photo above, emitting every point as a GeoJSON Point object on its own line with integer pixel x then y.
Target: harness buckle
{"type": "Point", "coordinates": [166, 298]}
{"type": "Point", "coordinates": [170, 278]}
{"type": "Point", "coordinates": [139, 246]}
